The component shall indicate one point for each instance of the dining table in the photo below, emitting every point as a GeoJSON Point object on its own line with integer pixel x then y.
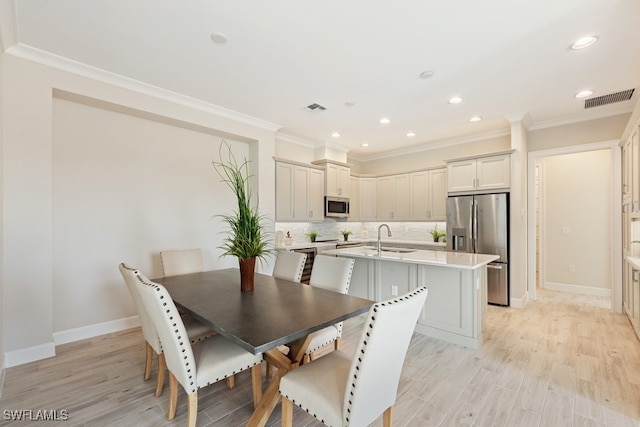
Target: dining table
{"type": "Point", "coordinates": [277, 312]}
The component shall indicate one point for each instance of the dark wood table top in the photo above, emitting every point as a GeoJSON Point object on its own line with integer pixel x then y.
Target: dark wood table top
{"type": "Point", "coordinates": [277, 311]}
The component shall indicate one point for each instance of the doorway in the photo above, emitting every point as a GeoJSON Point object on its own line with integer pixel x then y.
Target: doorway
{"type": "Point", "coordinates": [574, 207]}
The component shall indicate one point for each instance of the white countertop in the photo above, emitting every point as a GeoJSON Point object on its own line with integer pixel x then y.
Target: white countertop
{"type": "Point", "coordinates": [385, 242]}
{"type": "Point", "coordinates": [635, 261]}
{"type": "Point", "coordinates": [439, 258]}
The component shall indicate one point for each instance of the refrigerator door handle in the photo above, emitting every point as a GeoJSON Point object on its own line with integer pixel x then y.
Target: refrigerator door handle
{"type": "Point", "coordinates": [474, 216]}
{"type": "Point", "coordinates": [496, 267]}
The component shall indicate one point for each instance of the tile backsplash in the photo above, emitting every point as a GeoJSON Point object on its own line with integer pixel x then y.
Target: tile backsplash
{"type": "Point", "coordinates": [416, 231]}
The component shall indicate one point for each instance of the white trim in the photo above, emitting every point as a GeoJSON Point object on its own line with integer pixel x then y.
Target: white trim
{"type": "Point", "coordinates": [519, 302]}
{"type": "Point", "coordinates": [61, 63]}
{"type": "Point", "coordinates": [615, 243]}
{"type": "Point", "coordinates": [578, 289]}
{"type": "Point", "coordinates": [585, 116]}
{"type": "Point", "coordinates": [90, 331]}
{"type": "Point", "coordinates": [29, 354]}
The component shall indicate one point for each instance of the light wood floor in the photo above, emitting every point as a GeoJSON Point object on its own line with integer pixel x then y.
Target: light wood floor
{"type": "Point", "coordinates": [561, 361]}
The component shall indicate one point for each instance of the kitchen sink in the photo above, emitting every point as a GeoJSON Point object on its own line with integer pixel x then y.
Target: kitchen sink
{"type": "Point", "coordinates": [398, 250]}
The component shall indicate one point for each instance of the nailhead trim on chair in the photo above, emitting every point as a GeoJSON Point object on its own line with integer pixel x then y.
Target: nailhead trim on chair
{"type": "Point", "coordinates": [362, 351]}
{"type": "Point", "coordinates": [183, 350]}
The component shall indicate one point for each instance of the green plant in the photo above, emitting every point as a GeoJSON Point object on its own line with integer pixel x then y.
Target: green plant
{"type": "Point", "coordinates": [437, 234]}
{"type": "Point", "coordinates": [312, 235]}
{"type": "Point", "coordinates": [246, 239]}
{"type": "Point", "coordinates": [346, 233]}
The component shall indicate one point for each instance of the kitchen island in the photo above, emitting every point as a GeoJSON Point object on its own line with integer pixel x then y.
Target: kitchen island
{"type": "Point", "coordinates": [457, 283]}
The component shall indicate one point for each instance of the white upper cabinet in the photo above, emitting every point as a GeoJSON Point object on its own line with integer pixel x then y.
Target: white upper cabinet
{"type": "Point", "coordinates": [393, 198]}
{"type": "Point", "coordinates": [354, 198]}
{"type": "Point", "coordinates": [480, 174]}
{"type": "Point", "coordinates": [299, 193]}
{"type": "Point", "coordinates": [368, 199]}
{"type": "Point", "coordinates": [428, 195]}
{"type": "Point", "coordinates": [337, 180]}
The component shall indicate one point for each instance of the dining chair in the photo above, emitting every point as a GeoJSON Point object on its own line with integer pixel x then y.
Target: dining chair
{"type": "Point", "coordinates": [197, 366]}
{"type": "Point", "coordinates": [353, 390]}
{"type": "Point", "coordinates": [289, 265]}
{"type": "Point", "coordinates": [183, 261]}
{"type": "Point", "coordinates": [334, 274]}
{"type": "Point", "coordinates": [196, 331]}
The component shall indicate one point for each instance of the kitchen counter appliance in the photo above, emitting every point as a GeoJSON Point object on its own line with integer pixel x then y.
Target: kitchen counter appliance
{"type": "Point", "coordinates": [480, 224]}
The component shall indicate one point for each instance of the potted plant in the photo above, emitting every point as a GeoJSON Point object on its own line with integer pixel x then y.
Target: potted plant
{"type": "Point", "coordinates": [437, 234]}
{"type": "Point", "coordinates": [246, 239]}
{"type": "Point", "coordinates": [345, 234]}
{"type": "Point", "coordinates": [312, 235]}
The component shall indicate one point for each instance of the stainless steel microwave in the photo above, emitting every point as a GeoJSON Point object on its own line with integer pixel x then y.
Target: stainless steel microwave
{"type": "Point", "coordinates": [336, 207]}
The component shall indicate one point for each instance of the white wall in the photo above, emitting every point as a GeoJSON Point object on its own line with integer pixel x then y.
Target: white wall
{"type": "Point", "coordinates": [577, 196]}
{"type": "Point", "coordinates": [77, 194]}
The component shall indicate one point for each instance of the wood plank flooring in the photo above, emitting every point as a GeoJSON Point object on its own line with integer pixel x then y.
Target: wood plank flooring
{"type": "Point", "coordinates": [562, 361]}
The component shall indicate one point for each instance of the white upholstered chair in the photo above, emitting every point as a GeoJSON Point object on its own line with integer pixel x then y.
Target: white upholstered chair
{"type": "Point", "coordinates": [182, 261]}
{"type": "Point", "coordinates": [289, 265]}
{"type": "Point", "coordinates": [344, 390]}
{"type": "Point", "coordinates": [334, 274]}
{"type": "Point", "coordinates": [194, 367]}
{"type": "Point", "coordinates": [196, 331]}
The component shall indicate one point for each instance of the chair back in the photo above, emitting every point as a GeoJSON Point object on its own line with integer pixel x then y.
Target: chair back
{"type": "Point", "coordinates": [375, 371]}
{"type": "Point", "coordinates": [183, 261]}
{"type": "Point", "coordinates": [173, 335]}
{"type": "Point", "coordinates": [289, 265]}
{"type": "Point", "coordinates": [332, 273]}
{"type": "Point", "coordinates": [148, 329]}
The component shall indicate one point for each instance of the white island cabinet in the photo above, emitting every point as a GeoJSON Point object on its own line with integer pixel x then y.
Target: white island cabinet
{"type": "Point", "coordinates": [457, 283]}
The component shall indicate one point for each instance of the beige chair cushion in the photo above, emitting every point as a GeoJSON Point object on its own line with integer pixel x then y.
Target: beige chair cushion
{"type": "Point", "coordinates": [289, 265]}
{"type": "Point", "coordinates": [184, 261]}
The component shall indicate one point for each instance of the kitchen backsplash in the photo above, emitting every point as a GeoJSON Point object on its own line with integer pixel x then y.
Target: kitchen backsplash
{"type": "Point", "coordinates": [415, 231]}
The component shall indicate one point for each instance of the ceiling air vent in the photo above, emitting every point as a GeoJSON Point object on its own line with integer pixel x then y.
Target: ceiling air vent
{"type": "Point", "coordinates": [316, 107]}
{"type": "Point", "coordinates": [611, 98]}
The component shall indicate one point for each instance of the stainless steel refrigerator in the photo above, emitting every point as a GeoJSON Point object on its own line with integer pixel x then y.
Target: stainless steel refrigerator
{"type": "Point", "coordinates": [480, 224]}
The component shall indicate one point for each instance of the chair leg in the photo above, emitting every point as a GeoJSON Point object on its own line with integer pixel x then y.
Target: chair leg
{"type": "Point", "coordinates": [231, 382]}
{"type": "Point", "coordinates": [287, 412]}
{"type": "Point", "coordinates": [148, 361]}
{"type": "Point", "coordinates": [173, 396]}
{"type": "Point", "coordinates": [162, 367]}
{"type": "Point", "coordinates": [337, 344]}
{"type": "Point", "coordinates": [387, 417]}
{"type": "Point", "coordinates": [256, 384]}
{"type": "Point", "coordinates": [192, 409]}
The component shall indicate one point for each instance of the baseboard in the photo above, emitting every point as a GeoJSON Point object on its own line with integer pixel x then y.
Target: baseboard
{"type": "Point", "coordinates": [44, 351]}
{"type": "Point", "coordinates": [578, 289]}
{"type": "Point", "coordinates": [519, 302]}
{"type": "Point", "coordinates": [90, 331]}
{"type": "Point", "coordinates": [29, 354]}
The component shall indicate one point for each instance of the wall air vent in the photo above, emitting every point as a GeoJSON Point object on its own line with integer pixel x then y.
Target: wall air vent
{"type": "Point", "coordinates": [315, 107]}
{"type": "Point", "coordinates": [611, 98]}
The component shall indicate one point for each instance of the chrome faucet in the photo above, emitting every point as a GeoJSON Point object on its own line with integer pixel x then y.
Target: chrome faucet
{"type": "Point", "coordinates": [388, 232]}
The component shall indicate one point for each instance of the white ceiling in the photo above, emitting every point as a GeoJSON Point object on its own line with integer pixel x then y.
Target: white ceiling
{"type": "Point", "coordinates": [506, 58]}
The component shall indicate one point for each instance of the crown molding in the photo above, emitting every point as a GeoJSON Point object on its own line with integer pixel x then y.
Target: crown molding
{"type": "Point", "coordinates": [77, 68]}
{"type": "Point", "coordinates": [431, 146]}
{"type": "Point", "coordinates": [584, 117]}
{"type": "Point", "coordinates": [295, 140]}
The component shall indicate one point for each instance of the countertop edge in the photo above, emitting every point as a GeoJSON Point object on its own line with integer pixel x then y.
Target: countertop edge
{"type": "Point", "coordinates": [480, 259]}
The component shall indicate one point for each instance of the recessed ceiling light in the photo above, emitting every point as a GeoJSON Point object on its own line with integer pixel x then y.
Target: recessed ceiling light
{"type": "Point", "coordinates": [384, 121]}
{"type": "Point", "coordinates": [364, 144]}
{"type": "Point", "coordinates": [411, 134]}
{"type": "Point", "coordinates": [426, 74]}
{"type": "Point", "coordinates": [584, 93]}
{"type": "Point", "coordinates": [475, 119]}
{"type": "Point", "coordinates": [336, 134]}
{"type": "Point", "coordinates": [584, 42]}
{"type": "Point", "coordinates": [455, 100]}
{"type": "Point", "coordinates": [219, 38]}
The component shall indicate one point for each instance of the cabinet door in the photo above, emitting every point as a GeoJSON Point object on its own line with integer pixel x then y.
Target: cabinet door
{"type": "Point", "coordinates": [635, 172]}
{"type": "Point", "coordinates": [419, 183]}
{"type": "Point", "coordinates": [300, 194]}
{"type": "Point", "coordinates": [384, 198]}
{"type": "Point", "coordinates": [627, 165]}
{"type": "Point", "coordinates": [337, 180]}
{"type": "Point", "coordinates": [284, 191]}
{"type": "Point", "coordinates": [354, 198]}
{"type": "Point", "coordinates": [635, 300]}
{"type": "Point", "coordinates": [367, 199]}
{"type": "Point", "coordinates": [437, 195]}
{"type": "Point", "coordinates": [316, 195]}
{"type": "Point", "coordinates": [461, 176]}
{"type": "Point", "coordinates": [493, 172]}
{"type": "Point", "coordinates": [401, 198]}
